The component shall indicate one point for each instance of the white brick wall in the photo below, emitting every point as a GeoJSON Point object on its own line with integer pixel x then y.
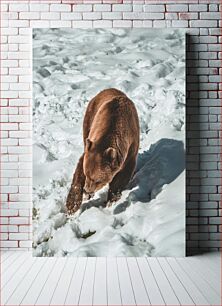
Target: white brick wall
{"type": "Point", "coordinates": [200, 17]}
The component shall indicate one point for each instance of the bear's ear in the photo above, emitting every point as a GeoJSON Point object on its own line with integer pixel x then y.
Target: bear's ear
{"type": "Point", "coordinates": [111, 155]}
{"type": "Point", "coordinates": [88, 144]}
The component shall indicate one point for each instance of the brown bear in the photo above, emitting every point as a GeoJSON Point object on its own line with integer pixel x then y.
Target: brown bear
{"type": "Point", "coordinates": [111, 143]}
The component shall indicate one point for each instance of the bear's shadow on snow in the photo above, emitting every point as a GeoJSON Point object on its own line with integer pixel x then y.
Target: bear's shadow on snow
{"type": "Point", "coordinates": [159, 165]}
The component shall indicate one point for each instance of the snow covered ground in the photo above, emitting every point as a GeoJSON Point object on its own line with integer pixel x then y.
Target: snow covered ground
{"type": "Point", "coordinates": [70, 67]}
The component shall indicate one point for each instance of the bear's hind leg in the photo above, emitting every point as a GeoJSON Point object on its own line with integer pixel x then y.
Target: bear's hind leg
{"type": "Point", "coordinates": [120, 181]}
{"type": "Point", "coordinates": [74, 199]}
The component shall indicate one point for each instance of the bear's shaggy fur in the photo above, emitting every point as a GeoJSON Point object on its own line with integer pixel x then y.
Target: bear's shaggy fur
{"type": "Point", "coordinates": [111, 143]}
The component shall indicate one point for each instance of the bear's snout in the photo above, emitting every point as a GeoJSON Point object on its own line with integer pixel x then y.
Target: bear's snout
{"type": "Point", "coordinates": [89, 187]}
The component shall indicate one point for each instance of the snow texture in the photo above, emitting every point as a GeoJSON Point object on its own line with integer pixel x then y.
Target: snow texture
{"type": "Point", "coordinates": [72, 66]}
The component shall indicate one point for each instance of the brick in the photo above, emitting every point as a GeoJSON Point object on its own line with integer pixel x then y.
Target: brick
{"type": "Point", "coordinates": [208, 205]}
{"type": "Point", "coordinates": [208, 39]}
{"type": "Point", "coordinates": [39, 7]}
{"type": "Point", "coordinates": [216, 31]}
{"type": "Point", "coordinates": [215, 220]}
{"type": "Point", "coordinates": [4, 7]}
{"type": "Point", "coordinates": [4, 220]}
{"type": "Point", "coordinates": [9, 212]}
{"type": "Point", "coordinates": [134, 15]}
{"type": "Point", "coordinates": [19, 118]}
{"type": "Point", "coordinates": [25, 229]}
{"type": "Point", "coordinates": [71, 16]}
{"type": "Point", "coordinates": [60, 8]}
{"type": "Point", "coordinates": [187, 16]}
{"type": "Point", "coordinates": [137, 23]}
{"type": "Point", "coordinates": [60, 24]}
{"type": "Point", "coordinates": [9, 94]}
{"type": "Point", "coordinates": [18, 236]}
{"type": "Point", "coordinates": [102, 7]}
{"type": "Point", "coordinates": [82, 24]}
{"type": "Point", "coordinates": [92, 15]}
{"type": "Point", "coordinates": [39, 24]}
{"type": "Point", "coordinates": [20, 197]}
{"type": "Point", "coordinates": [13, 158]}
{"type": "Point", "coordinates": [9, 126]}
{"type": "Point", "coordinates": [177, 8]}
{"type": "Point", "coordinates": [9, 31]}
{"type": "Point", "coordinates": [25, 244]}
{"type": "Point", "coordinates": [19, 71]}
{"type": "Point", "coordinates": [213, 7]}
{"type": "Point", "coordinates": [121, 7]}
{"type": "Point", "coordinates": [18, 7]}
{"type": "Point", "coordinates": [9, 142]}
{"type": "Point", "coordinates": [13, 47]}
{"type": "Point", "coordinates": [198, 7]}
{"type": "Point", "coordinates": [18, 220]}
{"type": "Point", "coordinates": [171, 16]}
{"type": "Point", "coordinates": [215, 63]}
{"type": "Point", "coordinates": [180, 23]}
{"type": "Point", "coordinates": [25, 31]}
{"type": "Point", "coordinates": [9, 228]}
{"type": "Point", "coordinates": [154, 8]}
{"type": "Point", "coordinates": [52, 15]}
{"type": "Point", "coordinates": [29, 15]}
{"type": "Point", "coordinates": [209, 15]}
{"type": "Point", "coordinates": [18, 23]}
{"type": "Point", "coordinates": [82, 8]}
{"type": "Point", "coordinates": [122, 23]}
{"type": "Point", "coordinates": [24, 212]}
{"type": "Point", "coordinates": [25, 126]}
{"type": "Point", "coordinates": [112, 15]}
{"type": "Point", "coordinates": [137, 8]}
{"type": "Point", "coordinates": [102, 23]}
{"type": "Point", "coordinates": [8, 244]}
{"type": "Point", "coordinates": [200, 236]}
{"type": "Point", "coordinates": [19, 86]}
{"type": "Point", "coordinates": [147, 24]}
{"type": "Point", "coordinates": [9, 173]}
{"type": "Point", "coordinates": [203, 23]}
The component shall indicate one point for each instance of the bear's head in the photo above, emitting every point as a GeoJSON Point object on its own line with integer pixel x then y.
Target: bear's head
{"type": "Point", "coordinates": [100, 166]}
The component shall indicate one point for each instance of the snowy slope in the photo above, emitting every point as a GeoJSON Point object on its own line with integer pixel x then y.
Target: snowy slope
{"type": "Point", "coordinates": [70, 67]}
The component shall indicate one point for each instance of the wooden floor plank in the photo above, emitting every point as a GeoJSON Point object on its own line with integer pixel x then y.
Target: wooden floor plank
{"type": "Point", "coordinates": [10, 261]}
{"type": "Point", "coordinates": [18, 294]}
{"type": "Point", "coordinates": [139, 288]}
{"type": "Point", "coordinates": [38, 283]}
{"type": "Point", "coordinates": [13, 269]}
{"type": "Point", "coordinates": [100, 283]}
{"type": "Point", "coordinates": [62, 287]}
{"type": "Point", "coordinates": [75, 286]}
{"type": "Point", "coordinates": [152, 288]}
{"type": "Point", "coordinates": [208, 292]}
{"type": "Point", "coordinates": [179, 289]}
{"type": "Point", "coordinates": [212, 261]}
{"type": "Point", "coordinates": [5, 255]}
{"type": "Point", "coordinates": [214, 280]}
{"type": "Point", "coordinates": [16, 280]}
{"type": "Point", "coordinates": [191, 288]}
{"type": "Point", "coordinates": [86, 294]}
{"type": "Point", "coordinates": [46, 293]}
{"type": "Point", "coordinates": [126, 288]}
{"type": "Point", "coordinates": [163, 283]}
{"type": "Point", "coordinates": [112, 281]}
{"type": "Point", "coordinates": [113, 285]}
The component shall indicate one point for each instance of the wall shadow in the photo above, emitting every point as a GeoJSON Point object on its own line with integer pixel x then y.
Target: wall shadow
{"type": "Point", "coordinates": [192, 148]}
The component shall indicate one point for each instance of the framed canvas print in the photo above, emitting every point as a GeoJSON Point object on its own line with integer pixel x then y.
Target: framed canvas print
{"type": "Point", "coordinates": [108, 142]}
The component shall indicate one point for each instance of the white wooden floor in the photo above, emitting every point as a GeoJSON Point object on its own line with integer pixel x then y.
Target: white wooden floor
{"type": "Point", "coordinates": [110, 281]}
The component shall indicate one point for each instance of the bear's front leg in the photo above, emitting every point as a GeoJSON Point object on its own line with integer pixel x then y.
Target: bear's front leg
{"type": "Point", "coordinates": [120, 181]}
{"type": "Point", "coordinates": [74, 199]}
